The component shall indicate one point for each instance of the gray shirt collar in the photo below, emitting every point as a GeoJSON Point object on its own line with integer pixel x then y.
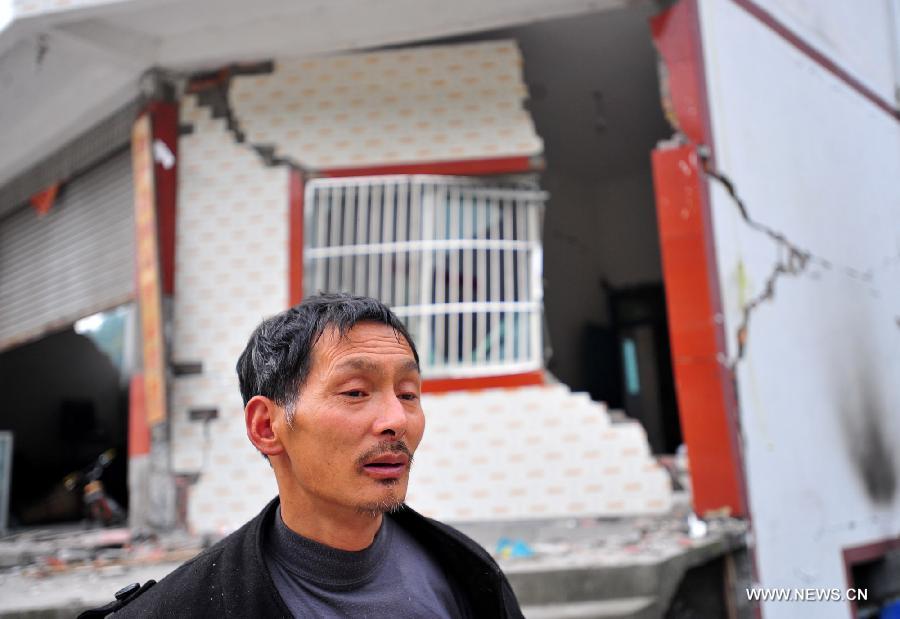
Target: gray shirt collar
{"type": "Point", "coordinates": [324, 565]}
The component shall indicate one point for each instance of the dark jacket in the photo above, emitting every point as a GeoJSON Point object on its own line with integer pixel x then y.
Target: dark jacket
{"type": "Point", "coordinates": [230, 579]}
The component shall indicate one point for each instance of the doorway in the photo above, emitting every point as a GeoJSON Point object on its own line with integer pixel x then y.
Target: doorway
{"type": "Point", "coordinates": [66, 404]}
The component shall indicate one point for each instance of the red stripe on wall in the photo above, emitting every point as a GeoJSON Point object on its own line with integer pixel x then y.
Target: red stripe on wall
{"type": "Point", "coordinates": [471, 167]}
{"type": "Point", "coordinates": [295, 237]}
{"type": "Point", "coordinates": [816, 56]}
{"type": "Point", "coordinates": [443, 385]}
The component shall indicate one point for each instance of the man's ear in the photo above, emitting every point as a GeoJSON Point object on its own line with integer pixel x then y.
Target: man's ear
{"type": "Point", "coordinates": [260, 416]}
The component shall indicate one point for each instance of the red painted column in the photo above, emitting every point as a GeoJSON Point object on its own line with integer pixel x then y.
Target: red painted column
{"type": "Point", "coordinates": [164, 120]}
{"type": "Point", "coordinates": [295, 237]}
{"type": "Point", "coordinates": [138, 430]}
{"type": "Point", "coordinates": [160, 189]}
{"type": "Point", "coordinates": [704, 384]}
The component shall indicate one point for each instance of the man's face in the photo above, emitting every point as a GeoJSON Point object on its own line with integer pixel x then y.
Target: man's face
{"type": "Point", "coordinates": [357, 421]}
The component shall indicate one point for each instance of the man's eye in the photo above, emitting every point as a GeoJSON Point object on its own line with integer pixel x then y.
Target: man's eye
{"type": "Point", "coordinates": [409, 396]}
{"type": "Point", "coordinates": [355, 393]}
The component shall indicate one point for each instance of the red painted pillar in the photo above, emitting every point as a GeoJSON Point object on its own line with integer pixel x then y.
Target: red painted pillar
{"type": "Point", "coordinates": [295, 237]}
{"type": "Point", "coordinates": [704, 384]}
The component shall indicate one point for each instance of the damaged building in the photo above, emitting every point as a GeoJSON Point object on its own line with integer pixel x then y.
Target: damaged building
{"type": "Point", "coordinates": [613, 229]}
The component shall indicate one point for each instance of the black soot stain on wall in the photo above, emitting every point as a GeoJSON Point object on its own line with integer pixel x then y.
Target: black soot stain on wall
{"type": "Point", "coordinates": [867, 437]}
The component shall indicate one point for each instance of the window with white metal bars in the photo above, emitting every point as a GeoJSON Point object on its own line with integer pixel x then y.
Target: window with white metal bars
{"type": "Point", "coordinates": [458, 259]}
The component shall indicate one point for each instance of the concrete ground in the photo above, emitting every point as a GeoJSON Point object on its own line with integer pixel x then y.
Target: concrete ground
{"type": "Point", "coordinates": [588, 567]}
{"type": "Point", "coordinates": [58, 571]}
{"type": "Point", "coordinates": [611, 568]}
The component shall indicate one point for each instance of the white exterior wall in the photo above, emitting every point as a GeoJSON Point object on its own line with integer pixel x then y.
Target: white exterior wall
{"type": "Point", "coordinates": [231, 271]}
{"type": "Point", "coordinates": [858, 36]}
{"type": "Point", "coordinates": [817, 387]}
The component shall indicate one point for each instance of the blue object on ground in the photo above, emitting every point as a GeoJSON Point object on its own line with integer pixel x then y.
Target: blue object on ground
{"type": "Point", "coordinates": [513, 549]}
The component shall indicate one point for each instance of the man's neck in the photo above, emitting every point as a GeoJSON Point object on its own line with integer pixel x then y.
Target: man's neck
{"type": "Point", "coordinates": [334, 526]}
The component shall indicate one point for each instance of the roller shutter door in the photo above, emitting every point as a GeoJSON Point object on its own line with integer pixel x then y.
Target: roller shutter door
{"type": "Point", "coordinates": [76, 260]}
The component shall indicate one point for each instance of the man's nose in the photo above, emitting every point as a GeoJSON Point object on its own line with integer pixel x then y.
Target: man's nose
{"type": "Point", "coordinates": [392, 417]}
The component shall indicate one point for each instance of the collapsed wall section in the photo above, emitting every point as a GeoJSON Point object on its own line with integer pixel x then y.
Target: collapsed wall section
{"type": "Point", "coordinates": [231, 271]}
{"type": "Point", "coordinates": [532, 452]}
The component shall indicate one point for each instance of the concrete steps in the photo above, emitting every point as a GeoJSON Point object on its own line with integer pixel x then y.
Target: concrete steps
{"type": "Point", "coordinates": [532, 452]}
{"type": "Point", "coordinates": [637, 581]}
{"type": "Point", "coordinates": [628, 591]}
{"type": "Point", "coordinates": [620, 608]}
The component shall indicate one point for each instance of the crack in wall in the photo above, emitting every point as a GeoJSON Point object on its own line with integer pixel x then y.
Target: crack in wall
{"type": "Point", "coordinates": [793, 260]}
{"type": "Point", "coordinates": [794, 264]}
{"type": "Point", "coordinates": [214, 93]}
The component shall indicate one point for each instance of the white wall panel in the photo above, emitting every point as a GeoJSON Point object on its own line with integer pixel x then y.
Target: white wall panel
{"type": "Point", "coordinates": [857, 36]}
{"type": "Point", "coordinates": [817, 386]}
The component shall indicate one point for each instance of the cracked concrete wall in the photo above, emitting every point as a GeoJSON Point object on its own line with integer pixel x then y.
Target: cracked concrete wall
{"type": "Point", "coordinates": [809, 277]}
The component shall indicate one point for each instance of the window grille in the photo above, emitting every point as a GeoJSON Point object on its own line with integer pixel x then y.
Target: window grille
{"type": "Point", "coordinates": [458, 259]}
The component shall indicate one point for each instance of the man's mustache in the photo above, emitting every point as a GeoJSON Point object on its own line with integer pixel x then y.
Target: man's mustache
{"type": "Point", "coordinates": [385, 447]}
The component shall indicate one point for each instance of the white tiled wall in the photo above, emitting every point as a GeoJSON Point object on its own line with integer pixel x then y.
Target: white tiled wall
{"type": "Point", "coordinates": [431, 103]}
{"type": "Point", "coordinates": [531, 452]}
{"type": "Point", "coordinates": [231, 271]}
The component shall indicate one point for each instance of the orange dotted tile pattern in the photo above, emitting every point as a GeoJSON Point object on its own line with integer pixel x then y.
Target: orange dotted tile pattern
{"type": "Point", "coordinates": [532, 452]}
{"type": "Point", "coordinates": [434, 103]}
{"type": "Point", "coordinates": [231, 271]}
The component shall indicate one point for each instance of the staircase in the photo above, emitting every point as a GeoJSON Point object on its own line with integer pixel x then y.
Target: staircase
{"type": "Point", "coordinates": [532, 452]}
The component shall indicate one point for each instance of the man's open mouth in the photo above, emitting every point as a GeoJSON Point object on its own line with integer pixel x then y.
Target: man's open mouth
{"type": "Point", "coordinates": [387, 466]}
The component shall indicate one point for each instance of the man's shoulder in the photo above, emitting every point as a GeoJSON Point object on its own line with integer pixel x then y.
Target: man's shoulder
{"type": "Point", "coordinates": [197, 583]}
{"type": "Point", "coordinates": [212, 583]}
